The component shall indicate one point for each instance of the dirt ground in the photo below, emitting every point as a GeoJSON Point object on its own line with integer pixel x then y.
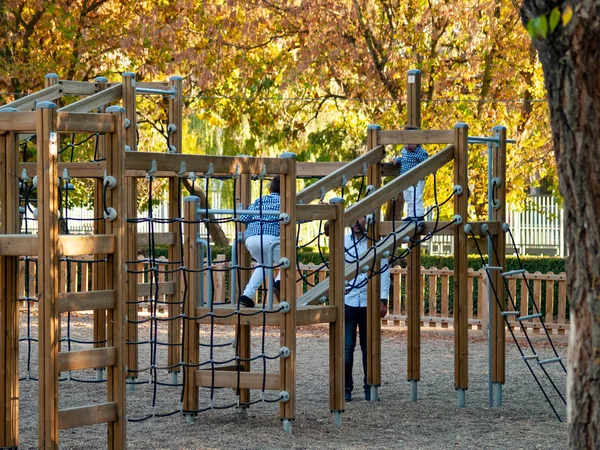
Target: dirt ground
{"type": "Point", "coordinates": [525, 420]}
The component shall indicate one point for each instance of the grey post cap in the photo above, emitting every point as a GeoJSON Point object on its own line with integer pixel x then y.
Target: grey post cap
{"type": "Point", "coordinates": [9, 109]}
{"type": "Point", "coordinates": [374, 126]}
{"type": "Point", "coordinates": [128, 74]}
{"type": "Point", "coordinates": [46, 105]}
{"type": "Point", "coordinates": [115, 109]}
{"type": "Point", "coordinates": [336, 200]}
{"type": "Point", "coordinates": [175, 78]}
{"type": "Point", "coordinates": [461, 125]}
{"type": "Point", "coordinates": [51, 75]}
{"type": "Point", "coordinates": [414, 72]}
{"type": "Point", "coordinates": [192, 198]}
{"type": "Point", "coordinates": [288, 155]}
{"type": "Point", "coordinates": [101, 80]}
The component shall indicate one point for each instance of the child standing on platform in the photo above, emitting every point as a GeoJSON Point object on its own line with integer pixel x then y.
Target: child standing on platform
{"type": "Point", "coordinates": [411, 156]}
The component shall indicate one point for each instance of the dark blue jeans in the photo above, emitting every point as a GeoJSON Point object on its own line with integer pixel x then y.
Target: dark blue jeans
{"type": "Point", "coordinates": [355, 317]}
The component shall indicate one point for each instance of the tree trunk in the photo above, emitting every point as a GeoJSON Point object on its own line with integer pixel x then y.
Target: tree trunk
{"type": "Point", "coordinates": [570, 57]}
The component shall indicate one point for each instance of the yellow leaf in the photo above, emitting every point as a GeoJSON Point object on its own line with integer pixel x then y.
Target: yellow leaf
{"type": "Point", "coordinates": [566, 15]}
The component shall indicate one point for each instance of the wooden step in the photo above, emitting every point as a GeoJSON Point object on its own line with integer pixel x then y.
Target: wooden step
{"type": "Point", "coordinates": [96, 358]}
{"type": "Point", "coordinates": [229, 379]}
{"type": "Point", "coordinates": [86, 301]}
{"type": "Point", "coordinates": [87, 415]}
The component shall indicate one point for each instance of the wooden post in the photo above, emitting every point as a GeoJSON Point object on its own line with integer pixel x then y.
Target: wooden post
{"type": "Point", "coordinates": [118, 279]}
{"type": "Point", "coordinates": [174, 252]}
{"type": "Point", "coordinates": [9, 306]}
{"type": "Point", "coordinates": [99, 274]}
{"type": "Point", "coordinates": [287, 410]}
{"type": "Point", "coordinates": [129, 103]}
{"type": "Point", "coordinates": [243, 200]}
{"type": "Point", "coordinates": [374, 284]}
{"type": "Point", "coordinates": [499, 259]}
{"type": "Point", "coordinates": [47, 173]}
{"type": "Point", "coordinates": [461, 373]}
{"type": "Point", "coordinates": [413, 270]}
{"type": "Point", "coordinates": [191, 336]}
{"type": "Point", "coordinates": [50, 79]}
{"type": "Point", "coordinates": [336, 298]}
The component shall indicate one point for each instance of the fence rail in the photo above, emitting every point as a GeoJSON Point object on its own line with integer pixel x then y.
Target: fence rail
{"type": "Point", "coordinates": [548, 291]}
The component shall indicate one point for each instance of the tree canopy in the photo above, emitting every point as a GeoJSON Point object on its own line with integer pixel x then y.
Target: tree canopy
{"type": "Point", "coordinates": [305, 76]}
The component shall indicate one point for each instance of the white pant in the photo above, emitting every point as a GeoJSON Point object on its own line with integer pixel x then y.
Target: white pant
{"type": "Point", "coordinates": [260, 254]}
{"type": "Point", "coordinates": [413, 196]}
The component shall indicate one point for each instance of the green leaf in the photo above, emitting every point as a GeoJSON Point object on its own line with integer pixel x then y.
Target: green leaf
{"type": "Point", "coordinates": [566, 15]}
{"type": "Point", "coordinates": [531, 29]}
{"type": "Point", "coordinates": [554, 18]}
{"type": "Point", "coordinates": [542, 27]}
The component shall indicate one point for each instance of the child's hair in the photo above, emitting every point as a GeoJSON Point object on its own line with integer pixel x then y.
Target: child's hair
{"type": "Point", "coordinates": [275, 185]}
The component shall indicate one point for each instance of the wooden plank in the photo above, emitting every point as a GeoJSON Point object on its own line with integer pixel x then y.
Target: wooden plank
{"type": "Point", "coordinates": [166, 238]}
{"type": "Point", "coordinates": [29, 101]}
{"type": "Point", "coordinates": [315, 212]}
{"type": "Point", "coordinates": [76, 169]}
{"type": "Point", "coordinates": [229, 379]}
{"type": "Point", "coordinates": [385, 228]}
{"type": "Point", "coordinates": [85, 122]}
{"type": "Point", "coordinates": [549, 301]}
{"type": "Point", "coordinates": [153, 85]}
{"type": "Point", "coordinates": [18, 245]}
{"type": "Point", "coordinates": [387, 137]}
{"type": "Point", "coordinates": [147, 289]}
{"type": "Point", "coordinates": [322, 169]}
{"type": "Point", "coordinates": [78, 87]}
{"type": "Point", "coordinates": [95, 101]}
{"type": "Point", "coordinates": [562, 303]}
{"type": "Point", "coordinates": [397, 186]}
{"type": "Point", "coordinates": [77, 245]}
{"type": "Point", "coordinates": [432, 295]}
{"type": "Point", "coordinates": [95, 358]}
{"type": "Point", "coordinates": [87, 415]}
{"type": "Point", "coordinates": [341, 176]}
{"type": "Point", "coordinates": [86, 301]}
{"type": "Point", "coordinates": [460, 305]}
{"type": "Point", "coordinates": [228, 315]}
{"type": "Point", "coordinates": [48, 276]}
{"type": "Point", "coordinates": [307, 315]}
{"type": "Point", "coordinates": [200, 163]}
{"type": "Point", "coordinates": [21, 122]}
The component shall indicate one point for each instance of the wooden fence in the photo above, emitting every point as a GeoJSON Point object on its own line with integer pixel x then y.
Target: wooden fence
{"type": "Point", "coordinates": [548, 292]}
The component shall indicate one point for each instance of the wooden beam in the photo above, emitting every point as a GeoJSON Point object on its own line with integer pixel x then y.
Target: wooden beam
{"type": "Point", "coordinates": [77, 245]}
{"type": "Point", "coordinates": [315, 212]}
{"type": "Point", "coordinates": [28, 102]}
{"type": "Point", "coordinates": [308, 315]}
{"type": "Point", "coordinates": [341, 176]}
{"type": "Point", "coordinates": [228, 315]}
{"type": "Point", "coordinates": [20, 122]}
{"type": "Point", "coordinates": [147, 289]}
{"type": "Point", "coordinates": [78, 87]}
{"type": "Point", "coordinates": [87, 415]}
{"type": "Point", "coordinates": [76, 169]}
{"type": "Point", "coordinates": [385, 228]}
{"type": "Point", "coordinates": [86, 301]}
{"type": "Point", "coordinates": [397, 186]}
{"type": "Point", "coordinates": [171, 162]}
{"type": "Point", "coordinates": [18, 245]}
{"type": "Point", "coordinates": [322, 169]}
{"type": "Point", "coordinates": [229, 379]}
{"type": "Point", "coordinates": [85, 123]}
{"type": "Point", "coordinates": [166, 238]}
{"type": "Point", "coordinates": [95, 101]}
{"type": "Point", "coordinates": [387, 137]}
{"type": "Point", "coordinates": [95, 358]}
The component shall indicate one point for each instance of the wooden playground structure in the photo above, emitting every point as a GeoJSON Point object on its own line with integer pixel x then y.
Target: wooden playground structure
{"type": "Point", "coordinates": [109, 110]}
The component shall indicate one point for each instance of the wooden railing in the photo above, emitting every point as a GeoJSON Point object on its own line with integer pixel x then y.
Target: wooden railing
{"type": "Point", "coordinates": [549, 292]}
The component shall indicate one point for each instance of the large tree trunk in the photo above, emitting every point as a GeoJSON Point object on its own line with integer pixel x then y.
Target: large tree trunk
{"type": "Point", "coordinates": [570, 57]}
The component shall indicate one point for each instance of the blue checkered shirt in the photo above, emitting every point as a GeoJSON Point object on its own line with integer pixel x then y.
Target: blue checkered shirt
{"type": "Point", "coordinates": [409, 160]}
{"type": "Point", "coordinates": [257, 224]}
